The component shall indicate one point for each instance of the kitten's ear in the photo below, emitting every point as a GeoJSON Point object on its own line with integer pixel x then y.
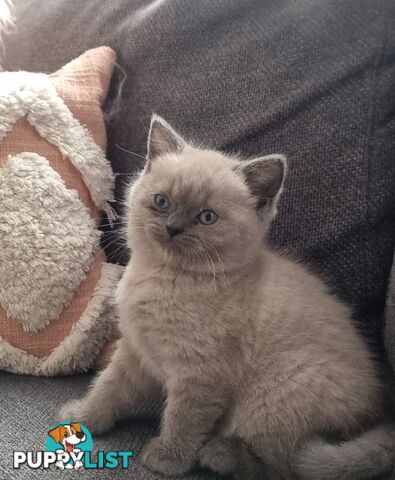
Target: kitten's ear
{"type": "Point", "coordinates": [162, 139]}
{"type": "Point", "coordinates": [264, 177]}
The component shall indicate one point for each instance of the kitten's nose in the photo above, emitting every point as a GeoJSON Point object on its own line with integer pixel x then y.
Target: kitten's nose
{"type": "Point", "coordinates": [174, 230]}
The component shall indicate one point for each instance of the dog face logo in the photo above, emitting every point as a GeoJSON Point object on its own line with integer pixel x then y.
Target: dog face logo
{"type": "Point", "coordinates": [69, 436]}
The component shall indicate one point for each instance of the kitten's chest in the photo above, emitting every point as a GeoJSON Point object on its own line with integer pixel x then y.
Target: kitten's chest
{"type": "Point", "coordinates": [162, 321]}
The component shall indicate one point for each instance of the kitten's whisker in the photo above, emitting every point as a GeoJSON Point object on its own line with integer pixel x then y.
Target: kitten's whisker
{"type": "Point", "coordinates": [114, 233]}
{"type": "Point", "coordinates": [112, 224]}
{"type": "Point", "coordinates": [227, 203]}
{"type": "Point", "coordinates": [212, 269]}
{"type": "Point", "coordinates": [212, 249]}
{"type": "Point", "coordinates": [129, 151]}
{"type": "Point", "coordinates": [115, 252]}
{"type": "Point", "coordinates": [105, 245]}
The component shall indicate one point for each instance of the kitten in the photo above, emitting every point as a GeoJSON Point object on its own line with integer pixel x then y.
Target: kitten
{"type": "Point", "coordinates": [254, 355]}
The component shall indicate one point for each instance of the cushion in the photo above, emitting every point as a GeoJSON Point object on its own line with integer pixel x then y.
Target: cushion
{"type": "Point", "coordinates": [55, 285]}
{"type": "Point", "coordinates": [312, 79]}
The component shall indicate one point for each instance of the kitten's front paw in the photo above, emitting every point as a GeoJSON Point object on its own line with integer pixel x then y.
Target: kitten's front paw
{"type": "Point", "coordinates": [79, 411]}
{"type": "Point", "coordinates": [220, 455]}
{"type": "Point", "coordinates": [72, 411]}
{"type": "Point", "coordinates": [158, 458]}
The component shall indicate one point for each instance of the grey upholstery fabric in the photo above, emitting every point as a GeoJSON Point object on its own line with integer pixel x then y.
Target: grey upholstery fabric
{"type": "Point", "coordinates": [314, 79]}
{"type": "Point", "coordinates": [28, 406]}
{"type": "Point", "coordinates": [390, 319]}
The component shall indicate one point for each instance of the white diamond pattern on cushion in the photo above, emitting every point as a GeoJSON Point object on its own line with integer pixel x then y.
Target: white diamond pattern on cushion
{"type": "Point", "coordinates": [48, 241]}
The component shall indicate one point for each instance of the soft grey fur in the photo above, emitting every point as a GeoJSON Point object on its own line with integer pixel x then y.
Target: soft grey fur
{"type": "Point", "coordinates": [254, 355]}
{"type": "Point", "coordinates": [366, 456]}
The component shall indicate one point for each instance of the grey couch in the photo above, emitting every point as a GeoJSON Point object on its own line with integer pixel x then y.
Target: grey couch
{"type": "Point", "coordinates": [314, 79]}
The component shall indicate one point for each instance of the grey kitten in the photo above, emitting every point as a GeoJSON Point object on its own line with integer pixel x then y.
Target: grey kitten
{"type": "Point", "coordinates": [256, 358]}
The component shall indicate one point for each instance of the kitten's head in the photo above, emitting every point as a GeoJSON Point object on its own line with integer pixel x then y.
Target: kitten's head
{"type": "Point", "coordinates": [197, 206]}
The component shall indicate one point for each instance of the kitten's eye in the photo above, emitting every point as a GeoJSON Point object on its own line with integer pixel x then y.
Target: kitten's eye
{"type": "Point", "coordinates": [208, 217]}
{"type": "Point", "coordinates": [162, 201]}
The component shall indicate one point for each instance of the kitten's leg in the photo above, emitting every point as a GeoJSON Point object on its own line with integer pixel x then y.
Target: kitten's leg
{"type": "Point", "coordinates": [115, 393]}
{"type": "Point", "coordinates": [230, 456]}
{"type": "Point", "coordinates": [190, 414]}
{"type": "Point", "coordinates": [220, 455]}
{"type": "Point", "coordinates": [273, 448]}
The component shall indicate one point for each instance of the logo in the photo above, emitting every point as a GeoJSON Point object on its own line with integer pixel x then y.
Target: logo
{"type": "Point", "coordinates": [69, 446]}
{"type": "Point", "coordinates": [74, 439]}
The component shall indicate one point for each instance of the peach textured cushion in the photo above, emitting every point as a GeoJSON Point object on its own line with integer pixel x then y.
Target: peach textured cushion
{"type": "Point", "coordinates": [82, 85]}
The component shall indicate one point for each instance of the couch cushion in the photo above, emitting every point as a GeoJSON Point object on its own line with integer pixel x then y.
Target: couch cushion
{"type": "Point", "coordinates": [312, 79]}
{"type": "Point", "coordinates": [56, 288]}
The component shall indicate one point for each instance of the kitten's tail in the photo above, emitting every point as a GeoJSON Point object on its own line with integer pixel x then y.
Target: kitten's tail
{"type": "Point", "coordinates": [366, 456]}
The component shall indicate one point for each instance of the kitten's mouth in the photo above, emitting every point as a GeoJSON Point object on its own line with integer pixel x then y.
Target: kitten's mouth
{"type": "Point", "coordinates": [171, 245]}
{"type": "Point", "coordinates": [166, 240]}
{"type": "Point", "coordinates": [176, 244]}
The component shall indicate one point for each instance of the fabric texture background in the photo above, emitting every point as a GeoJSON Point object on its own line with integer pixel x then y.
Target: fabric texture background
{"type": "Point", "coordinates": [390, 320]}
